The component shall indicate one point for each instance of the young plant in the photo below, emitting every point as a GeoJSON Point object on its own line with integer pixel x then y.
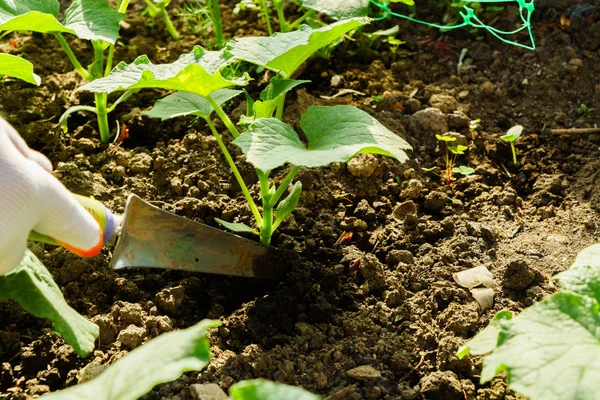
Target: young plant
{"type": "Point", "coordinates": [260, 389]}
{"type": "Point", "coordinates": [452, 152]}
{"type": "Point", "coordinates": [92, 20]}
{"type": "Point", "coordinates": [158, 8]}
{"type": "Point", "coordinates": [463, 170]}
{"type": "Point", "coordinates": [333, 133]}
{"type": "Point", "coordinates": [551, 350]}
{"type": "Point", "coordinates": [512, 135]}
{"type": "Point", "coordinates": [18, 67]}
{"type": "Point", "coordinates": [161, 360]}
{"type": "Point", "coordinates": [32, 286]}
{"type": "Point", "coordinates": [204, 17]}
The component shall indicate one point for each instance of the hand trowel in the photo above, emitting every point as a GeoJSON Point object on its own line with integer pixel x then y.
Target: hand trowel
{"type": "Point", "coordinates": [147, 236]}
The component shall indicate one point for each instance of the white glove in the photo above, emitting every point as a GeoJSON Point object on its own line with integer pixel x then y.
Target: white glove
{"type": "Point", "coordinates": [32, 199]}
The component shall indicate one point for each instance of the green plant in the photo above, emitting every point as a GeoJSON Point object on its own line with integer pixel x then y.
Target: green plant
{"type": "Point", "coordinates": [334, 133]}
{"type": "Point", "coordinates": [511, 136]}
{"type": "Point", "coordinates": [260, 389]}
{"type": "Point", "coordinates": [18, 67]}
{"type": "Point", "coordinates": [463, 170]}
{"type": "Point", "coordinates": [585, 110]}
{"type": "Point", "coordinates": [161, 360]}
{"type": "Point", "coordinates": [92, 20]}
{"type": "Point", "coordinates": [204, 16]}
{"type": "Point", "coordinates": [551, 350]}
{"type": "Point", "coordinates": [452, 152]}
{"type": "Point", "coordinates": [158, 8]}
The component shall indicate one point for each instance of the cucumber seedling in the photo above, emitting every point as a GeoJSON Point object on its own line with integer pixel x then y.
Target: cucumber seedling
{"type": "Point", "coordinates": [511, 136]}
{"type": "Point", "coordinates": [452, 152]}
{"type": "Point", "coordinates": [158, 8]}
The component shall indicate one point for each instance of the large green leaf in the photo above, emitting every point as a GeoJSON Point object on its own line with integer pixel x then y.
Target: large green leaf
{"type": "Point", "coordinates": [260, 389]}
{"type": "Point", "coordinates": [335, 133]}
{"type": "Point", "coordinates": [339, 9]}
{"type": "Point", "coordinates": [179, 104]}
{"type": "Point", "coordinates": [285, 52]}
{"type": "Point", "coordinates": [88, 19]}
{"type": "Point", "coordinates": [551, 351]}
{"type": "Point", "coordinates": [194, 72]}
{"type": "Point", "coordinates": [32, 286]}
{"type": "Point", "coordinates": [18, 67]}
{"type": "Point", "coordinates": [160, 360]}
{"type": "Point", "coordinates": [486, 340]}
{"type": "Point", "coordinates": [584, 275]}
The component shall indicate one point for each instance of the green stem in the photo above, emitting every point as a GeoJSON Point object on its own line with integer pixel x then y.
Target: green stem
{"type": "Point", "coordinates": [283, 186]}
{"type": "Point", "coordinates": [102, 114]}
{"type": "Point", "coordinates": [218, 25]}
{"type": "Point", "coordinates": [266, 15]}
{"type": "Point", "coordinates": [169, 24]}
{"type": "Point", "coordinates": [85, 74]}
{"type": "Point", "coordinates": [512, 146]}
{"type": "Point", "coordinates": [230, 127]}
{"type": "Point", "coordinates": [266, 230]}
{"type": "Point", "coordinates": [299, 21]}
{"type": "Point", "coordinates": [121, 8]}
{"type": "Point", "coordinates": [280, 105]}
{"type": "Point", "coordinates": [236, 172]}
{"type": "Point", "coordinates": [283, 25]}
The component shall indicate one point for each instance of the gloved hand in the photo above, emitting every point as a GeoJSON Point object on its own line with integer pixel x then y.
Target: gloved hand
{"type": "Point", "coordinates": [32, 199]}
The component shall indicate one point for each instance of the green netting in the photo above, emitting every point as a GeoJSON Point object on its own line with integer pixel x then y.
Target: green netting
{"type": "Point", "coordinates": [526, 8]}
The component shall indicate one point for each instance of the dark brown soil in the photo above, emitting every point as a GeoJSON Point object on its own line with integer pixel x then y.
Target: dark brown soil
{"type": "Point", "coordinates": [369, 280]}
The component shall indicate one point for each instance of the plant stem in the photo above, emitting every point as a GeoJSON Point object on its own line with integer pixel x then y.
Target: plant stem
{"type": "Point", "coordinates": [121, 8]}
{"type": "Point", "coordinates": [85, 74]}
{"type": "Point", "coordinates": [230, 127]}
{"type": "Point", "coordinates": [218, 24]}
{"type": "Point", "coordinates": [169, 24]}
{"type": "Point", "coordinates": [280, 105]}
{"type": "Point", "coordinates": [266, 16]}
{"type": "Point", "coordinates": [236, 172]}
{"type": "Point", "coordinates": [102, 114]}
{"type": "Point", "coordinates": [284, 185]}
{"type": "Point", "coordinates": [283, 25]}
{"type": "Point", "coordinates": [299, 21]}
{"type": "Point", "coordinates": [512, 146]}
{"type": "Point", "coordinates": [266, 230]}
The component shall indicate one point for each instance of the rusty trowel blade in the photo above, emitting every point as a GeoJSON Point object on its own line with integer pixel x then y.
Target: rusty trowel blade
{"type": "Point", "coordinates": [154, 238]}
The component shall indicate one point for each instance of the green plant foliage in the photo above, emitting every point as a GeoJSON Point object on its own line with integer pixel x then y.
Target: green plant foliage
{"type": "Point", "coordinates": [18, 67]}
{"type": "Point", "coordinates": [285, 52]}
{"type": "Point", "coordinates": [180, 104]}
{"type": "Point", "coordinates": [287, 205]}
{"type": "Point", "coordinates": [32, 286]}
{"type": "Point", "coordinates": [334, 133]}
{"type": "Point", "coordinates": [260, 389]}
{"type": "Point", "coordinates": [551, 350]}
{"type": "Point", "coordinates": [236, 226]}
{"type": "Point", "coordinates": [463, 170]}
{"type": "Point", "coordinates": [87, 19]}
{"type": "Point", "coordinates": [194, 72]}
{"type": "Point", "coordinates": [160, 360]}
{"type": "Point", "coordinates": [339, 9]}
{"type": "Point", "coordinates": [512, 134]}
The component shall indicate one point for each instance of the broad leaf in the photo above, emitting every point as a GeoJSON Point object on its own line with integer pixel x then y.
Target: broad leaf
{"type": "Point", "coordinates": [335, 134]}
{"type": "Point", "coordinates": [463, 170]}
{"type": "Point", "coordinates": [279, 87]}
{"type": "Point", "coordinates": [512, 134]}
{"type": "Point", "coordinates": [18, 67]}
{"type": "Point", "coordinates": [486, 340]}
{"type": "Point", "coordinates": [584, 275]}
{"type": "Point", "coordinates": [32, 286]}
{"type": "Point", "coordinates": [194, 72]}
{"type": "Point", "coordinates": [551, 351]}
{"type": "Point", "coordinates": [88, 19]}
{"type": "Point", "coordinates": [160, 360]}
{"type": "Point", "coordinates": [260, 389]}
{"type": "Point", "coordinates": [179, 104]}
{"type": "Point", "coordinates": [287, 205]}
{"type": "Point", "coordinates": [236, 226]}
{"type": "Point", "coordinates": [339, 9]}
{"type": "Point", "coordinates": [285, 52]}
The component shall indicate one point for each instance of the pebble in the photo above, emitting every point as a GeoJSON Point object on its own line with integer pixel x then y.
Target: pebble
{"type": "Point", "coordinates": [458, 120]}
{"type": "Point", "coordinates": [396, 256]}
{"type": "Point", "coordinates": [363, 373]}
{"type": "Point", "coordinates": [363, 165]}
{"type": "Point", "coordinates": [353, 224]}
{"type": "Point", "coordinates": [413, 190]}
{"type": "Point", "coordinates": [487, 88]}
{"type": "Point", "coordinates": [337, 81]}
{"type": "Point", "coordinates": [169, 299]}
{"type": "Point", "coordinates": [445, 103]}
{"type": "Point", "coordinates": [132, 336]}
{"type": "Point", "coordinates": [435, 201]}
{"type": "Point", "coordinates": [207, 391]}
{"type": "Point", "coordinates": [431, 121]}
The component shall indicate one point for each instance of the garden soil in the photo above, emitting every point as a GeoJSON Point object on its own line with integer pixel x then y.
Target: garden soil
{"type": "Point", "coordinates": [367, 307]}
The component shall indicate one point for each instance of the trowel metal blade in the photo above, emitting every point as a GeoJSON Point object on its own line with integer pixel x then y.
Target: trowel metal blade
{"type": "Point", "coordinates": [154, 238]}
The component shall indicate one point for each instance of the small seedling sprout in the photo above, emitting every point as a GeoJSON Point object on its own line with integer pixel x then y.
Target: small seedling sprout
{"type": "Point", "coordinates": [511, 137]}
{"type": "Point", "coordinates": [158, 8]}
{"type": "Point", "coordinates": [450, 159]}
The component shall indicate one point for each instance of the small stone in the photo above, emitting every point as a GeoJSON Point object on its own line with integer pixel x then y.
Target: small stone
{"type": "Point", "coordinates": [443, 102]}
{"type": "Point", "coordinates": [363, 165]}
{"type": "Point", "coordinates": [207, 391]}
{"type": "Point", "coordinates": [108, 330]}
{"type": "Point", "coordinates": [435, 201]}
{"type": "Point", "coordinates": [441, 385]}
{"type": "Point", "coordinates": [371, 271]}
{"type": "Point", "coordinates": [489, 234]}
{"type": "Point", "coordinates": [364, 211]}
{"type": "Point", "coordinates": [141, 163]}
{"type": "Point", "coordinates": [363, 373]}
{"type": "Point", "coordinates": [458, 120]}
{"type": "Point", "coordinates": [463, 94]}
{"type": "Point", "coordinates": [412, 105]}
{"type": "Point", "coordinates": [402, 210]}
{"type": "Point", "coordinates": [130, 313]}
{"type": "Point", "coordinates": [337, 81]}
{"type": "Point", "coordinates": [132, 336]}
{"type": "Point", "coordinates": [396, 256]}
{"type": "Point", "coordinates": [413, 190]}
{"type": "Point", "coordinates": [90, 371]}
{"type": "Point", "coordinates": [518, 275]}
{"type": "Point", "coordinates": [169, 299]}
{"type": "Point", "coordinates": [430, 121]}
{"type": "Point", "coordinates": [576, 62]}
{"type": "Point", "coordinates": [353, 224]}
{"type": "Point", "coordinates": [487, 88]}
{"type": "Point", "coordinates": [86, 145]}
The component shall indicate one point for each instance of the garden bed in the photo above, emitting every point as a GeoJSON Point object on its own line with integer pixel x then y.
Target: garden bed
{"type": "Point", "coordinates": [369, 253]}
